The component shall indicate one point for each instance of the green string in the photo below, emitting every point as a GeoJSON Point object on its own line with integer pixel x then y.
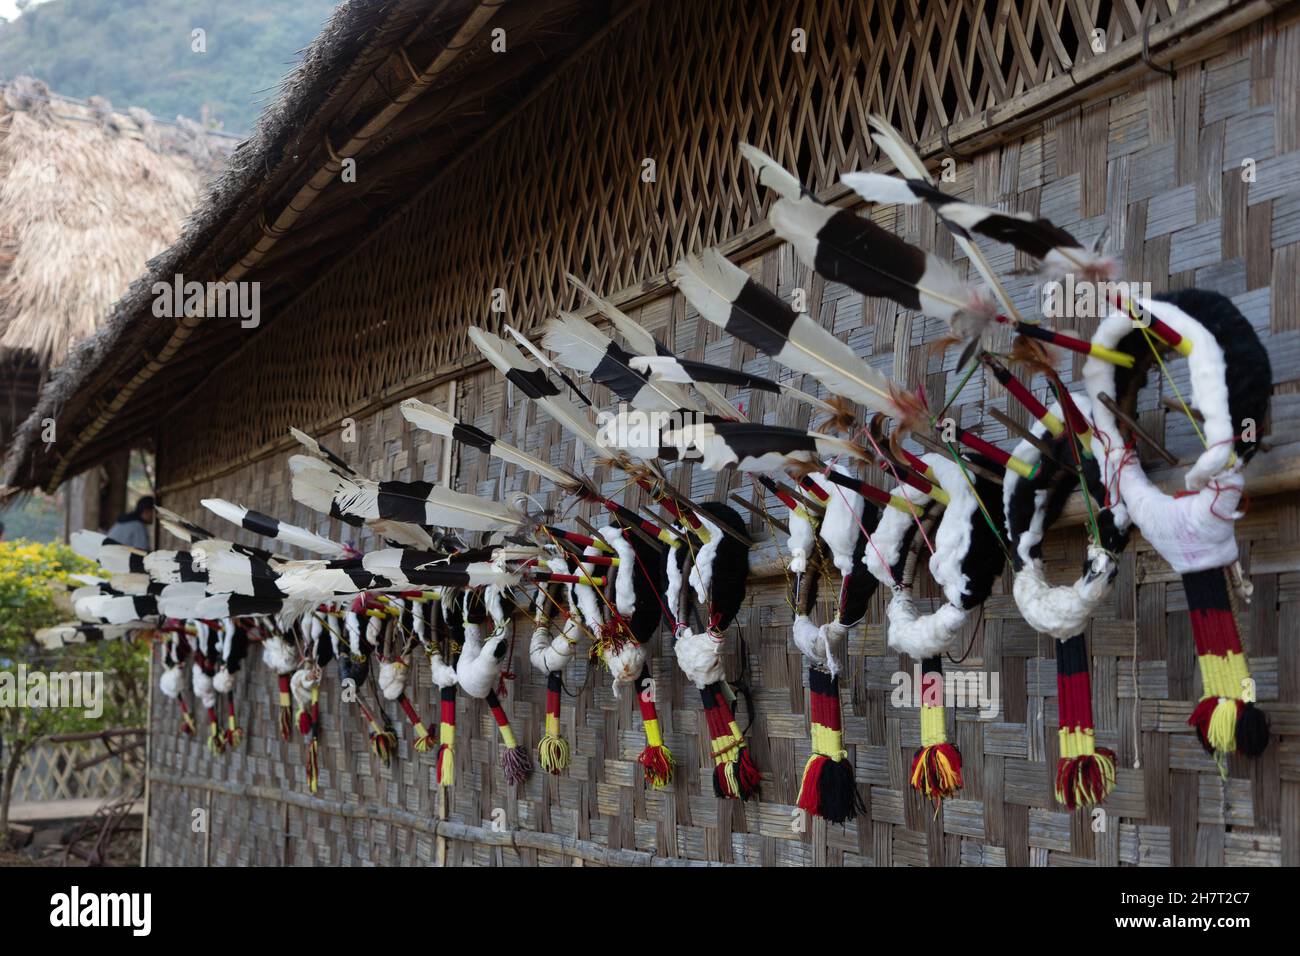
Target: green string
{"type": "Point", "coordinates": [953, 397]}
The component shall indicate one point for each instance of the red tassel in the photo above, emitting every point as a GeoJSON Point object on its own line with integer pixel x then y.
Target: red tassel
{"type": "Point", "coordinates": [748, 775]}
{"type": "Point", "coordinates": [810, 789]}
{"type": "Point", "coordinates": [1200, 719]}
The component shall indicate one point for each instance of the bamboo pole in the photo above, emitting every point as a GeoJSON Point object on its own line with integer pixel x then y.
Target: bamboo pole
{"type": "Point", "coordinates": [517, 840]}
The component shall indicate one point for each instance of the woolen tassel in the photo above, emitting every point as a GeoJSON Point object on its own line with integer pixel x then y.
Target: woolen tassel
{"type": "Point", "coordinates": [311, 720]}
{"type": "Point", "coordinates": [286, 708]}
{"type": "Point", "coordinates": [309, 717]}
{"type": "Point", "coordinates": [656, 759]}
{"type": "Point", "coordinates": [828, 789]}
{"type": "Point", "coordinates": [1085, 773]}
{"type": "Point", "coordinates": [383, 740]}
{"type": "Point", "coordinates": [447, 736]}
{"type": "Point", "coordinates": [313, 765]}
{"type": "Point", "coordinates": [936, 766]}
{"type": "Point", "coordinates": [234, 733]}
{"type": "Point", "coordinates": [187, 726]}
{"type": "Point", "coordinates": [1252, 730]}
{"type": "Point", "coordinates": [747, 774]}
{"type": "Point", "coordinates": [424, 741]}
{"type": "Point", "coordinates": [553, 750]}
{"type": "Point", "coordinates": [735, 775]}
{"type": "Point", "coordinates": [1225, 720]}
{"type": "Point", "coordinates": [516, 762]}
{"type": "Point", "coordinates": [216, 743]}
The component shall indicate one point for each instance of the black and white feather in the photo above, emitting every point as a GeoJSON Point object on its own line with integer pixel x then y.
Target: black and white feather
{"type": "Point", "coordinates": [583, 347]}
{"type": "Point", "coordinates": [435, 420]}
{"type": "Point", "coordinates": [530, 379]}
{"type": "Point", "coordinates": [269, 527]}
{"type": "Point", "coordinates": [112, 556]}
{"type": "Point", "coordinates": [727, 296]}
{"type": "Point", "coordinates": [750, 446]}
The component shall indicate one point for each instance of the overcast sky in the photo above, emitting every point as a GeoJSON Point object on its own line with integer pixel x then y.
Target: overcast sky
{"type": "Point", "coordinates": [9, 9]}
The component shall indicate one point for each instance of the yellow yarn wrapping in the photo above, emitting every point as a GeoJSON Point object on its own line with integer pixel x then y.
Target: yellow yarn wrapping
{"type": "Point", "coordinates": [234, 735]}
{"type": "Point", "coordinates": [507, 736]}
{"type": "Point", "coordinates": [933, 726]}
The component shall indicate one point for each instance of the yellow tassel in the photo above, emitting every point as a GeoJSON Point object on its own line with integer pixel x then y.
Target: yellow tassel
{"type": "Point", "coordinates": [553, 753]}
{"type": "Point", "coordinates": [1223, 726]}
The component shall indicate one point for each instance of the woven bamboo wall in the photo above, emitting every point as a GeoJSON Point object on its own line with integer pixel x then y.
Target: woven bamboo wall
{"type": "Point", "coordinates": [1160, 166]}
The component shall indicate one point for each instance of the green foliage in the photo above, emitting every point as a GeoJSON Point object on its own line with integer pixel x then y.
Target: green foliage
{"type": "Point", "coordinates": [138, 52]}
{"type": "Point", "coordinates": [33, 587]}
{"type": "Point", "coordinates": [34, 581]}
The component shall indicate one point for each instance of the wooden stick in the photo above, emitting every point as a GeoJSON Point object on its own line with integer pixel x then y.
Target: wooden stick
{"type": "Point", "coordinates": [813, 506]}
{"type": "Point", "coordinates": [682, 500]}
{"type": "Point", "coordinates": [939, 449]}
{"type": "Point", "coordinates": [1015, 428]}
{"type": "Point", "coordinates": [1137, 429]}
{"type": "Point", "coordinates": [776, 522]}
{"type": "Point", "coordinates": [1174, 405]}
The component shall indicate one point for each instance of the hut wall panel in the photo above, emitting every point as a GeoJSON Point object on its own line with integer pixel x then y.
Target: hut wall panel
{"type": "Point", "coordinates": [1159, 166]}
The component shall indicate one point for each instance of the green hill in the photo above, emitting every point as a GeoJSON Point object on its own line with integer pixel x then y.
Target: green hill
{"type": "Point", "coordinates": [139, 52]}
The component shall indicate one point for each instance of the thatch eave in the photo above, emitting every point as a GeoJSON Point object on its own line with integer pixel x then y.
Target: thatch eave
{"type": "Point", "coordinates": [360, 65]}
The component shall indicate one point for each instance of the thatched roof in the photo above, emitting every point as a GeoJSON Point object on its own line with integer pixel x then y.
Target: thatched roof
{"type": "Point", "coordinates": [87, 197]}
{"type": "Point", "coordinates": [404, 85]}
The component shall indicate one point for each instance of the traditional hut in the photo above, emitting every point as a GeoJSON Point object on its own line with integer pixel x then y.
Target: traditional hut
{"type": "Point", "coordinates": [433, 166]}
{"type": "Point", "coordinates": [87, 196]}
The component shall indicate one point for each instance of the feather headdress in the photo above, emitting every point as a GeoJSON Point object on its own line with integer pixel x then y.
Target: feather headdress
{"type": "Point", "coordinates": [173, 567]}
{"type": "Point", "coordinates": [909, 164]}
{"type": "Point", "coordinates": [749, 446]}
{"type": "Point", "coordinates": [61, 635]}
{"type": "Point", "coordinates": [1231, 381]}
{"type": "Point", "coordinates": [180, 527]}
{"type": "Point", "coordinates": [1085, 772]}
{"type": "Point", "coordinates": [545, 362]}
{"type": "Point", "coordinates": [398, 504]}
{"type": "Point", "coordinates": [1038, 238]}
{"type": "Point", "coordinates": [316, 481]}
{"type": "Point", "coordinates": [670, 368]}
{"type": "Point", "coordinates": [112, 556]}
